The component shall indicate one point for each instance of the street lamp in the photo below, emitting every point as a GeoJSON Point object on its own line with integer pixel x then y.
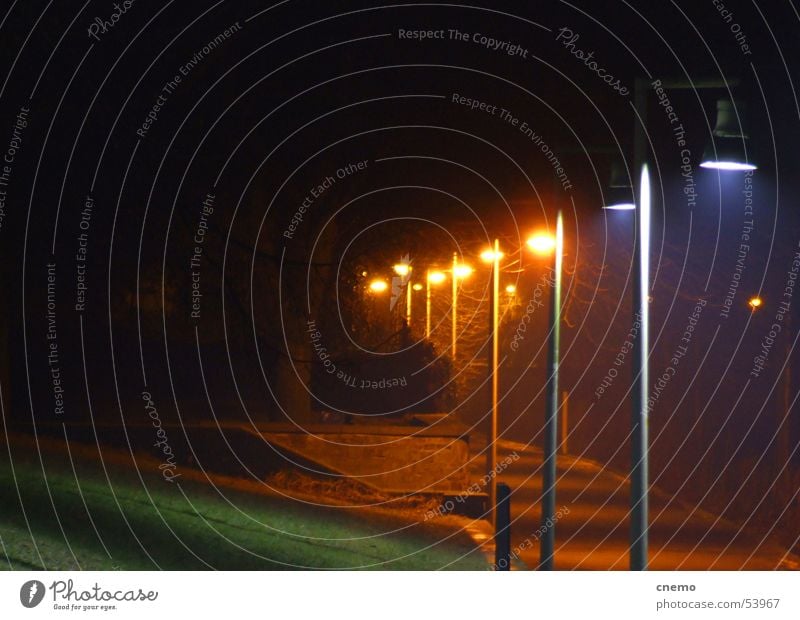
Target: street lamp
{"type": "Point", "coordinates": [432, 277]}
{"type": "Point", "coordinates": [619, 195]}
{"type": "Point", "coordinates": [378, 286]}
{"type": "Point", "coordinates": [511, 291]}
{"type": "Point", "coordinates": [728, 147]}
{"type": "Point", "coordinates": [459, 271]}
{"type": "Point", "coordinates": [542, 245]}
{"type": "Point", "coordinates": [404, 271]}
{"type": "Point", "coordinates": [726, 152]}
{"type": "Point", "coordinates": [640, 353]}
{"type": "Point", "coordinates": [493, 256]}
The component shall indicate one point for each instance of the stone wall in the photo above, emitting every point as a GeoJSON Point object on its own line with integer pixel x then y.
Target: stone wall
{"type": "Point", "coordinates": [387, 462]}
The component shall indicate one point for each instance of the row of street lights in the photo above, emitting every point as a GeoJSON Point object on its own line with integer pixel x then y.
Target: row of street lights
{"type": "Point", "coordinates": [541, 244]}
{"type": "Point", "coordinates": [727, 151]}
{"type": "Point", "coordinates": [433, 277]}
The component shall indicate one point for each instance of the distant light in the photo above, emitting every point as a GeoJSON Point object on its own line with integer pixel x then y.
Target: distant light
{"type": "Point", "coordinates": [489, 256]}
{"type": "Point", "coordinates": [436, 277]}
{"type": "Point", "coordinates": [378, 286]}
{"type": "Point", "coordinates": [511, 289]}
{"type": "Point", "coordinates": [542, 243]}
{"type": "Point", "coordinates": [402, 269]}
{"type": "Point", "coordinates": [463, 271]}
{"type": "Point", "coordinates": [417, 287]}
{"type": "Point", "coordinates": [364, 274]}
{"type": "Point", "coordinates": [623, 206]}
{"type": "Point", "coordinates": [727, 165]}
{"type": "Point", "coordinates": [755, 302]}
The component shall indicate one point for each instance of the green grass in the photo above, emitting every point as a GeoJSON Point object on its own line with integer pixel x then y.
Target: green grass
{"type": "Point", "coordinates": [92, 522]}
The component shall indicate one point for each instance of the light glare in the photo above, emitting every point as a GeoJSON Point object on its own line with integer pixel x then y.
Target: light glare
{"type": "Point", "coordinates": [727, 165]}
{"type": "Point", "coordinates": [462, 271]}
{"type": "Point", "coordinates": [489, 256]}
{"type": "Point", "coordinates": [436, 277]}
{"type": "Point", "coordinates": [378, 286]}
{"type": "Point", "coordinates": [542, 243]}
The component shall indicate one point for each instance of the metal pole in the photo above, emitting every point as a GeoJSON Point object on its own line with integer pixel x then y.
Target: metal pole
{"type": "Point", "coordinates": [428, 304]}
{"type": "Point", "coordinates": [547, 546]}
{"type": "Point", "coordinates": [641, 353]}
{"type": "Point", "coordinates": [408, 303]}
{"type": "Point", "coordinates": [641, 348]}
{"type": "Point", "coordinates": [564, 422]}
{"type": "Point", "coordinates": [455, 304]}
{"type": "Point", "coordinates": [495, 364]}
{"type": "Point", "coordinates": [502, 532]}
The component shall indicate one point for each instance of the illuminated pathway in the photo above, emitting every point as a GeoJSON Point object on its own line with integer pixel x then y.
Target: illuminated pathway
{"type": "Point", "coordinates": [593, 534]}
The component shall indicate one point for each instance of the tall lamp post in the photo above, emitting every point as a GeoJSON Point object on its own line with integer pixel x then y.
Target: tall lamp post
{"type": "Point", "coordinates": [431, 277]}
{"type": "Point", "coordinates": [727, 151]}
{"type": "Point", "coordinates": [641, 353]}
{"type": "Point", "coordinates": [453, 321]}
{"type": "Point", "coordinates": [416, 286]}
{"type": "Point", "coordinates": [543, 244]}
{"type": "Point", "coordinates": [459, 271]}
{"type": "Point", "coordinates": [493, 256]}
{"type": "Point", "coordinates": [539, 244]}
{"type": "Point", "coordinates": [403, 270]}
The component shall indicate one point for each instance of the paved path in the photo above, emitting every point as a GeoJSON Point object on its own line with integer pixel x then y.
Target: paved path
{"type": "Point", "coordinates": [593, 534]}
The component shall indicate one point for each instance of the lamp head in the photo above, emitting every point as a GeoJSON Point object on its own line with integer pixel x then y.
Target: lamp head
{"type": "Point", "coordinates": [462, 271]}
{"type": "Point", "coordinates": [489, 256]}
{"type": "Point", "coordinates": [727, 149]}
{"type": "Point", "coordinates": [402, 269]}
{"type": "Point", "coordinates": [541, 243]}
{"type": "Point", "coordinates": [726, 153]}
{"type": "Point", "coordinates": [755, 303]}
{"type": "Point", "coordinates": [378, 286]}
{"type": "Point", "coordinates": [619, 195]}
{"type": "Point", "coordinates": [436, 277]}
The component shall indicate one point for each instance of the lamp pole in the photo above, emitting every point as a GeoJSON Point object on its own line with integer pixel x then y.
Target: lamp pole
{"type": "Point", "coordinates": [641, 287]}
{"type": "Point", "coordinates": [549, 472]}
{"type": "Point", "coordinates": [495, 363]}
{"type": "Point", "coordinates": [540, 244]}
{"type": "Point", "coordinates": [455, 303]}
{"type": "Point", "coordinates": [641, 352]}
{"type": "Point", "coordinates": [408, 303]}
{"type": "Point", "coordinates": [428, 304]}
